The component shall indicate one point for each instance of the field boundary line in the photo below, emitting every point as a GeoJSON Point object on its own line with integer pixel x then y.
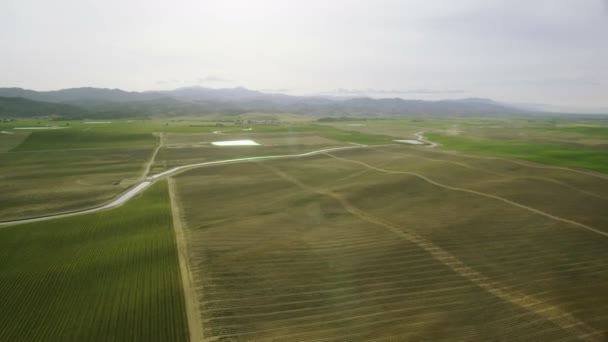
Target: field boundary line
{"type": "Point", "coordinates": [449, 187]}
{"type": "Point", "coordinates": [554, 314]}
{"type": "Point", "coordinates": [522, 162]}
{"type": "Point", "coordinates": [467, 166]}
{"type": "Point", "coordinates": [179, 169]}
{"type": "Point", "coordinates": [130, 193]}
{"type": "Point", "coordinates": [564, 168]}
{"type": "Point", "coordinates": [193, 315]}
{"type": "Point", "coordinates": [83, 149]}
{"type": "Point", "coordinates": [560, 183]}
{"type": "Point", "coordinates": [114, 203]}
{"type": "Point", "coordinates": [153, 157]}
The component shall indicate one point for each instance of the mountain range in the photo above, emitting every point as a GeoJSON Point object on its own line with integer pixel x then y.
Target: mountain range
{"type": "Point", "coordinates": [116, 103]}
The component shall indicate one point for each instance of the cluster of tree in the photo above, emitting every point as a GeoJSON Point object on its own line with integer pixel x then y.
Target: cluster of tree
{"type": "Point", "coordinates": [338, 119]}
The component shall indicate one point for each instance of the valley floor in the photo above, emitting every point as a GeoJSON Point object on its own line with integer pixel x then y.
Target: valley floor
{"type": "Point", "coordinates": [317, 234]}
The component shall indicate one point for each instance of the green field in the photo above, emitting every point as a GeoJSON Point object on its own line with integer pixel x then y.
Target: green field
{"type": "Point", "coordinates": [583, 156]}
{"type": "Point", "coordinates": [564, 142]}
{"type": "Point", "coordinates": [133, 134]}
{"type": "Point", "coordinates": [111, 276]}
{"type": "Point", "coordinates": [78, 139]}
{"type": "Point", "coordinates": [598, 131]}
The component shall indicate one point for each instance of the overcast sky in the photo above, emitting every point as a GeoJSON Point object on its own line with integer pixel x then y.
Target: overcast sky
{"type": "Point", "coordinates": [533, 51]}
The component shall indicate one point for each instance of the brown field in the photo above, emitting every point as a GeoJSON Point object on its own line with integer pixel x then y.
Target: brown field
{"type": "Point", "coordinates": [393, 129]}
{"type": "Point", "coordinates": [184, 149]}
{"type": "Point", "coordinates": [46, 182]}
{"type": "Point", "coordinates": [9, 141]}
{"type": "Point", "coordinates": [272, 139]}
{"type": "Point", "coordinates": [564, 193]}
{"type": "Point", "coordinates": [397, 244]}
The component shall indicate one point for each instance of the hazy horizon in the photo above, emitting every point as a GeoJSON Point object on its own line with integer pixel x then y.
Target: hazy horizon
{"type": "Point", "coordinates": [549, 52]}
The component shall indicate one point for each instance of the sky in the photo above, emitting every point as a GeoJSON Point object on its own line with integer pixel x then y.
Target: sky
{"type": "Point", "coordinates": [525, 51]}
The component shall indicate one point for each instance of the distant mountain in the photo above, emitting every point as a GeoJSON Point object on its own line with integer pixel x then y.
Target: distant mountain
{"type": "Point", "coordinates": [541, 107]}
{"type": "Point", "coordinates": [397, 106]}
{"type": "Point", "coordinates": [81, 96]}
{"type": "Point", "coordinates": [240, 95]}
{"type": "Point", "coordinates": [244, 99]}
{"type": "Point", "coordinates": [210, 94]}
{"type": "Point", "coordinates": [19, 107]}
{"type": "Point", "coordinates": [201, 101]}
{"type": "Point", "coordinates": [474, 100]}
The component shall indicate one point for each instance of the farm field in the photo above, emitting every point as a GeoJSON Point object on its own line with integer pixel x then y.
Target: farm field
{"type": "Point", "coordinates": [382, 242]}
{"type": "Point", "coordinates": [10, 140]}
{"type": "Point", "coordinates": [331, 249]}
{"type": "Point", "coordinates": [580, 197]}
{"type": "Point", "coordinates": [583, 155]}
{"type": "Point", "coordinates": [573, 143]}
{"type": "Point", "coordinates": [35, 183]}
{"type": "Point", "coordinates": [312, 171]}
{"type": "Point", "coordinates": [266, 139]}
{"type": "Point", "coordinates": [86, 164]}
{"type": "Point", "coordinates": [183, 149]}
{"type": "Point", "coordinates": [110, 276]}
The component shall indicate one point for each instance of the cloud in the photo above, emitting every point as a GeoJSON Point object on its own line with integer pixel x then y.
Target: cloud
{"type": "Point", "coordinates": [212, 79]}
{"type": "Point", "coordinates": [581, 80]}
{"type": "Point", "coordinates": [168, 82]}
{"type": "Point", "coordinates": [201, 80]}
{"type": "Point", "coordinates": [371, 91]}
{"type": "Point", "coordinates": [485, 47]}
{"type": "Point", "coordinates": [435, 91]}
{"type": "Point", "coordinates": [277, 90]}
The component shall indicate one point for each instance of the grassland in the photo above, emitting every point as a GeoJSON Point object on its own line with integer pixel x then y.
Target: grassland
{"type": "Point", "coordinates": [331, 249]}
{"type": "Point", "coordinates": [111, 276]}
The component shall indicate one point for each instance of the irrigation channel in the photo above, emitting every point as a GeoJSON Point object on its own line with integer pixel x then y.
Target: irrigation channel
{"type": "Point", "coordinates": [129, 194]}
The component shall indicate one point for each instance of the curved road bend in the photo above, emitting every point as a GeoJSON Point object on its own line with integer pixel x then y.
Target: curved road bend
{"type": "Point", "coordinates": [420, 136]}
{"type": "Point", "coordinates": [125, 197]}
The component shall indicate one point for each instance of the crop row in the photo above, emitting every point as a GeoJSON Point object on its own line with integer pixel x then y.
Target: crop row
{"type": "Point", "coordinates": [305, 269]}
{"type": "Point", "coordinates": [111, 276]}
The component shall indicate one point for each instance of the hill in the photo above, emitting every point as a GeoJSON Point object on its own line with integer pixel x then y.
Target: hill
{"type": "Point", "coordinates": [200, 101]}
{"type": "Point", "coordinates": [20, 107]}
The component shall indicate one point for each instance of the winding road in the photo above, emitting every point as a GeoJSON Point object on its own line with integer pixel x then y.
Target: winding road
{"type": "Point", "coordinates": [129, 194]}
{"type": "Point", "coordinates": [420, 136]}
